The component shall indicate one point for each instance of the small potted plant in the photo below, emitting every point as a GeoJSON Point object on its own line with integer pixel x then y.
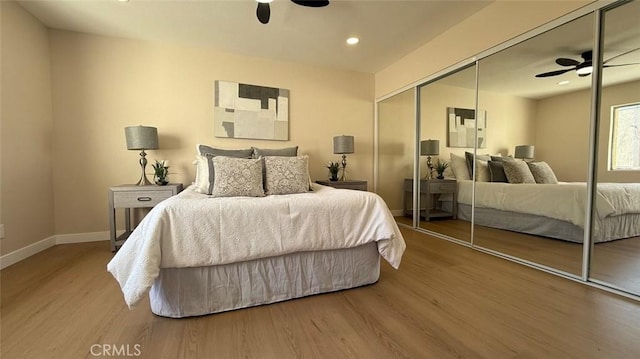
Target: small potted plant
{"type": "Point", "coordinates": [333, 167]}
{"type": "Point", "coordinates": [440, 168]}
{"type": "Point", "coordinates": [161, 172]}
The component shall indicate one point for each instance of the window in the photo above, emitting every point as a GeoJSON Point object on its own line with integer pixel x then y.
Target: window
{"type": "Point", "coordinates": [624, 146]}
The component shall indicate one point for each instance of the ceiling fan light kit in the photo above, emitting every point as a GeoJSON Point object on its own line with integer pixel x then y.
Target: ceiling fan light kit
{"type": "Point", "coordinates": [263, 12]}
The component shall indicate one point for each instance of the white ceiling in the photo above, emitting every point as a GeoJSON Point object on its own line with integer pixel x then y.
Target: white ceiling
{"type": "Point", "coordinates": [388, 29]}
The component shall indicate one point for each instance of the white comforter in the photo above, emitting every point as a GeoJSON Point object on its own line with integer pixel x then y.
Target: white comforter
{"type": "Point", "coordinates": [565, 201]}
{"type": "Point", "coordinates": [192, 229]}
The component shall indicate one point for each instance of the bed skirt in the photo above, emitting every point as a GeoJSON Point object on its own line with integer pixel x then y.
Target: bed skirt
{"type": "Point", "coordinates": [184, 292]}
{"type": "Point", "coordinates": [611, 228]}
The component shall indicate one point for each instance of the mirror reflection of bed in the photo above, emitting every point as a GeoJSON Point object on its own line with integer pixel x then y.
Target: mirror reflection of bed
{"type": "Point", "coordinates": [553, 115]}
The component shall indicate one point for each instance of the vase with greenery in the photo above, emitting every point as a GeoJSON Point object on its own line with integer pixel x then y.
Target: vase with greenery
{"type": "Point", "coordinates": [334, 168]}
{"type": "Point", "coordinates": [161, 172]}
{"type": "Point", "coordinates": [440, 167]}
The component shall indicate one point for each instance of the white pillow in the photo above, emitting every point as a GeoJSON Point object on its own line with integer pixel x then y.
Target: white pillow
{"type": "Point", "coordinates": [237, 177]}
{"type": "Point", "coordinates": [201, 184]}
{"type": "Point", "coordinates": [482, 171]}
{"type": "Point", "coordinates": [459, 167]}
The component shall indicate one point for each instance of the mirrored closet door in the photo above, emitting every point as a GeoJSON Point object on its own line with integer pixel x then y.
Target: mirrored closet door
{"type": "Point", "coordinates": [615, 259]}
{"type": "Point", "coordinates": [448, 125]}
{"type": "Point", "coordinates": [530, 196]}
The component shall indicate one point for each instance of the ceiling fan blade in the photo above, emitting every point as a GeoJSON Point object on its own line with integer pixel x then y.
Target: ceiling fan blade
{"type": "Point", "coordinates": [553, 73]}
{"type": "Point", "coordinates": [311, 3]}
{"type": "Point", "coordinates": [622, 54]}
{"type": "Point", "coordinates": [632, 63]}
{"type": "Point", "coordinates": [263, 12]}
{"type": "Point", "coordinates": [567, 62]}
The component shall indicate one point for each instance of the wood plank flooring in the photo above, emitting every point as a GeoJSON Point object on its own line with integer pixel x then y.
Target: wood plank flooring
{"type": "Point", "coordinates": [615, 262]}
{"type": "Point", "coordinates": [445, 301]}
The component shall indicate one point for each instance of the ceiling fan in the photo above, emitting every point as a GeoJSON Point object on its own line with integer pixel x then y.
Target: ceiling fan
{"type": "Point", "coordinates": [263, 12]}
{"type": "Point", "coordinates": [584, 67]}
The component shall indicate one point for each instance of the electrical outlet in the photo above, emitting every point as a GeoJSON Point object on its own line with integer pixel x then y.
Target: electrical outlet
{"type": "Point", "coordinates": [1, 231]}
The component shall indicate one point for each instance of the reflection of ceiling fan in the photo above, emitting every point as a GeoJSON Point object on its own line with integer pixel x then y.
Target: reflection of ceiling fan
{"type": "Point", "coordinates": [585, 67]}
{"type": "Point", "coordinates": [263, 12]}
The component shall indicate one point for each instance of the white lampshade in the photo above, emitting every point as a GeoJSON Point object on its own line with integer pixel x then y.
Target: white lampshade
{"type": "Point", "coordinates": [429, 147]}
{"type": "Point", "coordinates": [141, 138]}
{"type": "Point", "coordinates": [343, 144]}
{"type": "Point", "coordinates": [524, 151]}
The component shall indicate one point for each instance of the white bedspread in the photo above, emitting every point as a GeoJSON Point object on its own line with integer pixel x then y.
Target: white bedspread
{"type": "Point", "coordinates": [565, 201]}
{"type": "Point", "coordinates": [192, 230]}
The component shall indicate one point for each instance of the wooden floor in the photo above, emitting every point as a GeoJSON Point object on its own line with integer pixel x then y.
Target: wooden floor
{"type": "Point", "coordinates": [445, 301]}
{"type": "Point", "coordinates": [615, 262]}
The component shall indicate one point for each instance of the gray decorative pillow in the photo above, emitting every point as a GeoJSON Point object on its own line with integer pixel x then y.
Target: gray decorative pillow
{"type": "Point", "coordinates": [518, 172]}
{"type": "Point", "coordinates": [209, 153]}
{"type": "Point", "coordinates": [542, 172]}
{"type": "Point", "coordinates": [285, 152]}
{"type": "Point", "coordinates": [496, 171]}
{"type": "Point", "coordinates": [237, 177]}
{"type": "Point", "coordinates": [204, 150]}
{"type": "Point", "coordinates": [286, 175]}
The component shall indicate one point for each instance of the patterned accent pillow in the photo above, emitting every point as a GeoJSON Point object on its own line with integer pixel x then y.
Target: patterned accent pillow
{"type": "Point", "coordinates": [237, 177]}
{"type": "Point", "coordinates": [286, 175]}
{"type": "Point", "coordinates": [542, 172]}
{"type": "Point", "coordinates": [518, 172]}
{"type": "Point", "coordinates": [208, 173]}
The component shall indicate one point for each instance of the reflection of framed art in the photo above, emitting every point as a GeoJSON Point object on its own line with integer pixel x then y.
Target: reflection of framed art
{"type": "Point", "coordinates": [250, 111]}
{"type": "Point", "coordinates": [461, 123]}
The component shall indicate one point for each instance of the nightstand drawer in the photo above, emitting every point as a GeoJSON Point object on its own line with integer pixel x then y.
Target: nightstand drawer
{"type": "Point", "coordinates": [139, 199]}
{"type": "Point", "coordinates": [442, 187]}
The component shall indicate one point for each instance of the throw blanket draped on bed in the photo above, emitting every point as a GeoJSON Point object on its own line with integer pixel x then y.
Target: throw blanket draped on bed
{"type": "Point", "coordinates": [565, 201]}
{"type": "Point", "coordinates": [193, 230]}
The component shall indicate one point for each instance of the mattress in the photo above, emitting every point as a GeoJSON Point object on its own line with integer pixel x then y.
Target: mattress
{"type": "Point", "coordinates": [183, 292]}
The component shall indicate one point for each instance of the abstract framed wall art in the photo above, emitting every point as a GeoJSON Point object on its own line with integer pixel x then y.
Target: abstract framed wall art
{"type": "Point", "coordinates": [461, 123]}
{"type": "Point", "coordinates": [250, 111]}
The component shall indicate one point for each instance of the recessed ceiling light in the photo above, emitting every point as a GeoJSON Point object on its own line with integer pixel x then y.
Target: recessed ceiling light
{"type": "Point", "coordinates": [353, 40]}
{"type": "Point", "coordinates": [123, 0]}
{"type": "Point", "coordinates": [562, 83]}
{"type": "Point", "coordinates": [264, 1]}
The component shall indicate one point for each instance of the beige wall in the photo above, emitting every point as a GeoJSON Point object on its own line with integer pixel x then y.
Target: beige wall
{"type": "Point", "coordinates": [27, 177]}
{"type": "Point", "coordinates": [397, 128]}
{"type": "Point", "coordinates": [494, 24]}
{"type": "Point", "coordinates": [562, 133]}
{"type": "Point", "coordinates": [102, 84]}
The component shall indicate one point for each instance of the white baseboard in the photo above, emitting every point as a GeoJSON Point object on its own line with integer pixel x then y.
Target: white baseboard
{"type": "Point", "coordinates": [397, 212]}
{"type": "Point", "coordinates": [82, 237]}
{"type": "Point", "coordinates": [26, 252]}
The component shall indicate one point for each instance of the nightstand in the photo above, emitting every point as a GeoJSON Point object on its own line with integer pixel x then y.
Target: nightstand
{"type": "Point", "coordinates": [430, 191]}
{"type": "Point", "coordinates": [133, 196]}
{"type": "Point", "coordinates": [354, 184]}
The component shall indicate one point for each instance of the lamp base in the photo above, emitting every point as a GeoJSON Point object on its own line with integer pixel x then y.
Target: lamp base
{"type": "Point", "coordinates": [344, 168]}
{"type": "Point", "coordinates": [143, 181]}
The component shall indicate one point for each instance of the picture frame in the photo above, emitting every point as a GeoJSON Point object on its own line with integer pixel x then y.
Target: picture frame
{"type": "Point", "coordinates": [461, 127]}
{"type": "Point", "coordinates": [250, 111]}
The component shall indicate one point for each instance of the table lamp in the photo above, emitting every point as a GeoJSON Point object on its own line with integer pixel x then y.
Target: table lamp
{"type": "Point", "coordinates": [429, 148]}
{"type": "Point", "coordinates": [142, 138]}
{"type": "Point", "coordinates": [343, 145]}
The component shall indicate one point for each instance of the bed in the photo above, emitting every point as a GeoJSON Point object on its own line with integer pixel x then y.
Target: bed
{"type": "Point", "coordinates": [553, 210]}
{"type": "Point", "coordinates": [196, 254]}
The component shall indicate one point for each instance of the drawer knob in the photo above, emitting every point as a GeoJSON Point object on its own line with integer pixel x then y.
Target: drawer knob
{"type": "Point", "coordinates": [144, 199]}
